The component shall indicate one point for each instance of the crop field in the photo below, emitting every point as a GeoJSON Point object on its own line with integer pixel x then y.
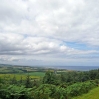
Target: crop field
{"type": "Point", "coordinates": [33, 75]}
{"type": "Point", "coordinates": [38, 74]}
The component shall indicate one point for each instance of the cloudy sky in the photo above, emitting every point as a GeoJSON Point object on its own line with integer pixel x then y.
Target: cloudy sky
{"type": "Point", "coordinates": [49, 32]}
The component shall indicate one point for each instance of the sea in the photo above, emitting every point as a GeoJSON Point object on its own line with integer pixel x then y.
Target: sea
{"type": "Point", "coordinates": [77, 68]}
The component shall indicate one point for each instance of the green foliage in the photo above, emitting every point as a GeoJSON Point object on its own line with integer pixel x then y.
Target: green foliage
{"type": "Point", "coordinates": [28, 81]}
{"type": "Point", "coordinates": [51, 78]}
{"type": "Point", "coordinates": [80, 88]}
{"type": "Point", "coordinates": [14, 92]}
{"type": "Point", "coordinates": [42, 92]}
{"type": "Point", "coordinates": [13, 80]}
{"type": "Point", "coordinates": [60, 93]}
{"type": "Point", "coordinates": [48, 78]}
{"type": "Point", "coordinates": [74, 76]}
{"type": "Point", "coordinates": [49, 91]}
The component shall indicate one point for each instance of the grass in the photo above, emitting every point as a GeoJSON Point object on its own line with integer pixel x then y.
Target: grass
{"type": "Point", "coordinates": [33, 75]}
{"type": "Point", "coordinates": [40, 74]}
{"type": "Point", "coordinates": [93, 94]}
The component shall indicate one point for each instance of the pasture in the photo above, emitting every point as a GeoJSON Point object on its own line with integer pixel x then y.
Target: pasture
{"type": "Point", "coordinates": [33, 75]}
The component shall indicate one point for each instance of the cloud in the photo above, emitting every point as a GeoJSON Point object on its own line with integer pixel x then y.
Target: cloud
{"type": "Point", "coordinates": [34, 28]}
{"type": "Point", "coordinates": [18, 44]}
{"type": "Point", "coordinates": [66, 20]}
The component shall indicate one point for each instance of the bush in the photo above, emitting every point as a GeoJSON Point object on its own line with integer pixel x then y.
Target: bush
{"type": "Point", "coordinates": [80, 88]}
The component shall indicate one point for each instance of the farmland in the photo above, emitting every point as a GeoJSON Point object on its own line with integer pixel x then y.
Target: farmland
{"type": "Point", "coordinates": [8, 72]}
{"type": "Point", "coordinates": [19, 69]}
{"type": "Point", "coordinates": [33, 75]}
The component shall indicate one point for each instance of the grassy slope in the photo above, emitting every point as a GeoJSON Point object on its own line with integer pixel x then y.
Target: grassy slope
{"type": "Point", "coordinates": [93, 94]}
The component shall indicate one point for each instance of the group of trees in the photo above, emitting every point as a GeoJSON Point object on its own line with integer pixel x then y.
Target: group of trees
{"type": "Point", "coordinates": [70, 77]}
{"type": "Point", "coordinates": [75, 76]}
{"type": "Point", "coordinates": [63, 85]}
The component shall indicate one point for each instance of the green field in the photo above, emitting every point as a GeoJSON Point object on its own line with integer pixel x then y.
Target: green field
{"type": "Point", "coordinates": [33, 75]}
{"type": "Point", "coordinates": [93, 94]}
{"type": "Point", "coordinates": [38, 74]}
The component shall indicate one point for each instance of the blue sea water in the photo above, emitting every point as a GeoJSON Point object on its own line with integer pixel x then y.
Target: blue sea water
{"type": "Point", "coordinates": [77, 68]}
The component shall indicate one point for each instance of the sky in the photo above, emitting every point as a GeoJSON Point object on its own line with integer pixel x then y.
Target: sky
{"type": "Point", "coordinates": [49, 32]}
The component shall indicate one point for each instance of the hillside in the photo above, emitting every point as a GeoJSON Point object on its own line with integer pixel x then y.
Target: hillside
{"type": "Point", "coordinates": [93, 94]}
{"type": "Point", "coordinates": [4, 69]}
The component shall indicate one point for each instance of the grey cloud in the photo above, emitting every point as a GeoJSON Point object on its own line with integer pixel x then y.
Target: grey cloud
{"type": "Point", "coordinates": [15, 44]}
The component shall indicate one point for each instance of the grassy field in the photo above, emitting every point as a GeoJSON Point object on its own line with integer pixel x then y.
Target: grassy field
{"type": "Point", "coordinates": [93, 94]}
{"type": "Point", "coordinates": [33, 75]}
{"type": "Point", "coordinates": [39, 74]}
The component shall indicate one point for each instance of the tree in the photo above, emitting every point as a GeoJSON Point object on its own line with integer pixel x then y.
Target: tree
{"type": "Point", "coordinates": [49, 77]}
{"type": "Point", "coordinates": [28, 81]}
{"type": "Point", "coordinates": [14, 81]}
